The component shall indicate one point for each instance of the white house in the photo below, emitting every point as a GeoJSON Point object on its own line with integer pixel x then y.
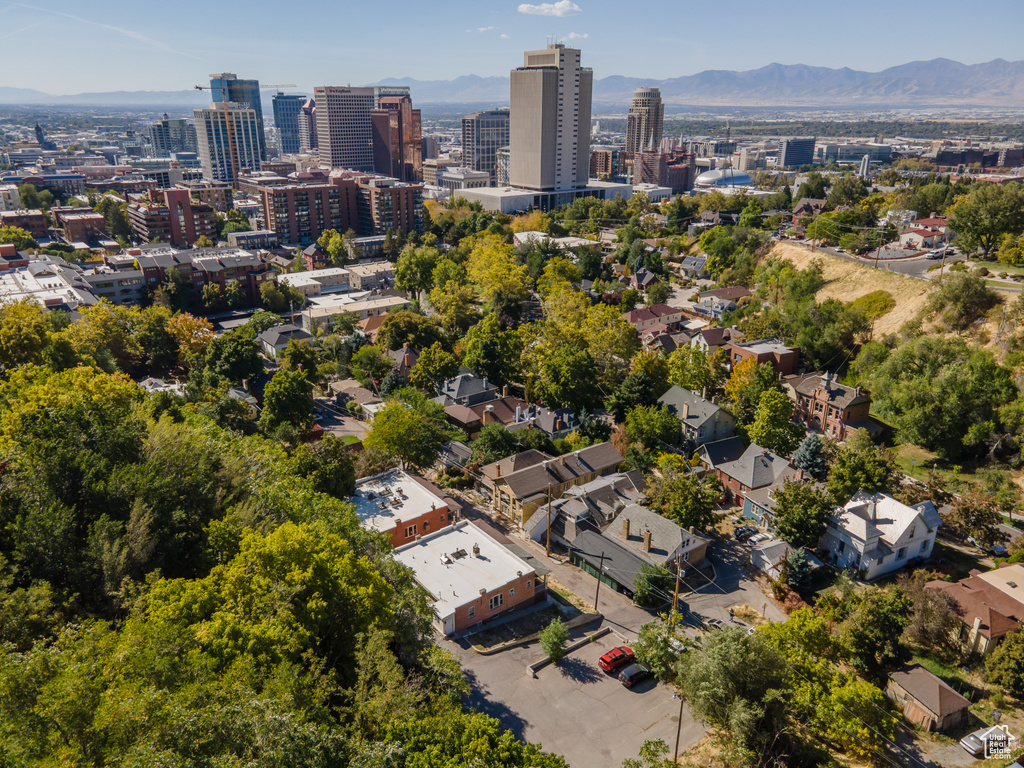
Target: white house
{"type": "Point", "coordinates": [876, 534]}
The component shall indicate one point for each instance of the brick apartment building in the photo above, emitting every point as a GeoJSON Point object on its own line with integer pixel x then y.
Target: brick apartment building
{"type": "Point", "coordinates": [785, 359]}
{"type": "Point", "coordinates": [824, 405]}
{"type": "Point", "coordinates": [401, 506]}
{"type": "Point", "coordinates": [79, 225]}
{"type": "Point", "coordinates": [171, 217]}
{"type": "Point", "coordinates": [206, 267]}
{"type": "Point", "coordinates": [32, 221]}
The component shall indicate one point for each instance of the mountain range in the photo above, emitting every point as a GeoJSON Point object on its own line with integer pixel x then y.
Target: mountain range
{"type": "Point", "coordinates": [939, 82]}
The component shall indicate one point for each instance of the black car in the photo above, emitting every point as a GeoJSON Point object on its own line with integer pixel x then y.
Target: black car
{"type": "Point", "coordinates": [744, 532]}
{"type": "Point", "coordinates": [634, 674]}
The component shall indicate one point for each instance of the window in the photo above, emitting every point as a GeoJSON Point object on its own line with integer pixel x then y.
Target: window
{"type": "Point", "coordinates": [410, 531]}
{"type": "Point", "coordinates": [529, 584]}
{"type": "Point", "coordinates": [842, 546]}
{"type": "Point", "coordinates": [426, 526]}
{"type": "Point", "coordinates": [497, 601]}
{"type": "Point", "coordinates": [512, 593]}
{"type": "Point", "coordinates": [902, 553]}
{"type": "Point", "coordinates": [472, 611]}
{"type": "Point", "coordinates": [924, 545]}
{"type": "Point", "coordinates": [442, 517]}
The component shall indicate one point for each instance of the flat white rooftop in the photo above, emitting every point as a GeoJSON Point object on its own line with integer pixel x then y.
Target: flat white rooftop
{"type": "Point", "coordinates": [448, 567]}
{"type": "Point", "coordinates": [384, 501]}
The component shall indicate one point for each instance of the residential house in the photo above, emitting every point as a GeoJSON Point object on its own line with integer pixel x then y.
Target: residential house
{"type": "Point", "coordinates": [756, 468]}
{"type": "Point", "coordinates": [768, 557]}
{"type": "Point", "coordinates": [514, 413]}
{"type": "Point", "coordinates": [926, 700]}
{"type": "Point", "coordinates": [665, 342]}
{"type": "Point", "coordinates": [694, 267]}
{"type": "Point", "coordinates": [730, 293]}
{"type": "Point", "coordinates": [466, 389]}
{"type": "Point", "coordinates": [470, 576]}
{"type": "Point", "coordinates": [402, 506]}
{"type": "Point", "coordinates": [920, 238]}
{"type": "Point", "coordinates": [351, 391]}
{"type": "Point", "coordinates": [642, 279]}
{"type": "Point", "coordinates": [700, 420]}
{"type": "Point", "coordinates": [404, 359]}
{"type": "Point", "coordinates": [990, 605]}
{"type": "Point", "coordinates": [825, 406]}
{"type": "Point", "coordinates": [707, 340]}
{"type": "Point", "coordinates": [643, 318]}
{"type": "Point", "coordinates": [491, 473]}
{"type": "Point", "coordinates": [518, 494]}
{"type": "Point", "coordinates": [715, 307]}
{"type": "Point", "coordinates": [807, 206]}
{"type": "Point", "coordinates": [876, 534]}
{"type": "Point", "coordinates": [598, 501]}
{"type": "Point", "coordinates": [774, 351]}
{"type": "Point", "coordinates": [716, 452]}
{"type": "Point", "coordinates": [274, 341]}
{"type": "Point", "coordinates": [759, 504]}
{"type": "Point", "coordinates": [932, 224]}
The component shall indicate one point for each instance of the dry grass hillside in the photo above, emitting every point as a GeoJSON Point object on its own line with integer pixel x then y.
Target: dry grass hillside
{"type": "Point", "coordinates": [846, 281]}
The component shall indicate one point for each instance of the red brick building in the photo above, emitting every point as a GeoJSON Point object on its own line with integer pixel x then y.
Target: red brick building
{"type": "Point", "coordinates": [80, 225]}
{"type": "Point", "coordinates": [401, 506]}
{"type": "Point", "coordinates": [824, 405]}
{"type": "Point", "coordinates": [300, 213]}
{"type": "Point", "coordinates": [785, 359]}
{"type": "Point", "coordinates": [171, 217]}
{"type": "Point", "coordinates": [32, 221]}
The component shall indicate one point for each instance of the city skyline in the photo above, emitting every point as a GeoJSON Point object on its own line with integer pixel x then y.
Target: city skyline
{"type": "Point", "coordinates": [487, 40]}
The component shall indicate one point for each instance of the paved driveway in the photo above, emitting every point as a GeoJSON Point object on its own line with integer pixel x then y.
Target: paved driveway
{"type": "Point", "coordinates": [574, 709]}
{"type": "Point", "coordinates": [733, 585]}
{"type": "Point", "coordinates": [336, 422]}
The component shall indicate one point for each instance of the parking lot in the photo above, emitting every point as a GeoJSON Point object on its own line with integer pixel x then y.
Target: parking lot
{"type": "Point", "coordinates": [574, 709]}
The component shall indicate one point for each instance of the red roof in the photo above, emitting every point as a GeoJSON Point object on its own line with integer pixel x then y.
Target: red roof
{"type": "Point", "coordinates": [930, 222]}
{"type": "Point", "coordinates": [922, 232]}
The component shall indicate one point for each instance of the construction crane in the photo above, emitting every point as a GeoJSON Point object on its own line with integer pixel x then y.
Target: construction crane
{"type": "Point", "coordinates": [278, 86]}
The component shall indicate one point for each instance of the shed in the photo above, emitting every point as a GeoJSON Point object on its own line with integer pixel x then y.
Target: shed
{"type": "Point", "coordinates": [926, 700]}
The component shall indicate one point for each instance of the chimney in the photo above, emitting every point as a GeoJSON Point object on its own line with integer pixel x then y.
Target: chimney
{"type": "Point", "coordinates": [519, 413]}
{"type": "Point", "coordinates": [570, 529]}
{"type": "Point", "coordinates": [686, 410]}
{"type": "Point", "coordinates": [488, 416]}
{"type": "Point", "coordinates": [504, 391]}
{"type": "Point", "coordinates": [485, 382]}
{"type": "Point", "coordinates": [647, 539]}
{"type": "Point", "coordinates": [561, 459]}
{"type": "Point", "coordinates": [476, 550]}
{"type": "Point", "coordinates": [871, 508]}
{"type": "Point", "coordinates": [497, 469]}
{"type": "Point", "coordinates": [625, 527]}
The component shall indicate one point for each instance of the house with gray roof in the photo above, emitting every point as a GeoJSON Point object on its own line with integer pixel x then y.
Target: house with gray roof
{"type": "Point", "coordinates": [597, 501]}
{"type": "Point", "coordinates": [756, 468]}
{"type": "Point", "coordinates": [466, 389]}
{"type": "Point", "coordinates": [716, 452]}
{"type": "Point", "coordinates": [518, 494]}
{"type": "Point", "coordinates": [701, 421]}
{"type": "Point", "coordinates": [274, 341]}
{"type": "Point", "coordinates": [404, 358]}
{"type": "Point", "coordinates": [874, 534]}
{"type": "Point", "coordinates": [694, 267]}
{"type": "Point", "coordinates": [926, 700]}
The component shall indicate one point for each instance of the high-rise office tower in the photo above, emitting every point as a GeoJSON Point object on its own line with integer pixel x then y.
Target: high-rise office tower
{"type": "Point", "coordinates": [286, 118]}
{"type": "Point", "coordinates": [343, 126]}
{"type": "Point", "coordinates": [307, 127]}
{"type": "Point", "coordinates": [483, 134]}
{"type": "Point", "coordinates": [226, 86]}
{"type": "Point", "coordinates": [795, 152]}
{"type": "Point", "coordinates": [169, 136]}
{"type": "Point", "coordinates": [228, 136]}
{"type": "Point", "coordinates": [645, 121]}
{"type": "Point", "coordinates": [549, 126]}
{"type": "Point", "coordinates": [397, 139]}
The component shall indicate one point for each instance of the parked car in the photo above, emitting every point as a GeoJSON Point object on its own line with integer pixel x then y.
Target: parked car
{"type": "Point", "coordinates": [757, 539]}
{"type": "Point", "coordinates": [744, 532]}
{"type": "Point", "coordinates": [634, 674]}
{"type": "Point", "coordinates": [615, 658]}
{"type": "Point", "coordinates": [974, 743]}
{"type": "Point", "coordinates": [713, 624]}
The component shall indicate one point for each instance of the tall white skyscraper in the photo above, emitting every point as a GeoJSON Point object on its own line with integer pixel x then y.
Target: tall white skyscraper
{"type": "Point", "coordinates": [343, 126]}
{"type": "Point", "coordinates": [228, 136]}
{"type": "Point", "coordinates": [645, 121]}
{"type": "Point", "coordinates": [549, 129]}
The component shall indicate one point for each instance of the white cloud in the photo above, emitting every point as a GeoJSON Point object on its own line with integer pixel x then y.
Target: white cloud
{"type": "Point", "coordinates": [469, 31]}
{"type": "Point", "coordinates": [484, 29]}
{"type": "Point", "coordinates": [561, 8]}
{"type": "Point", "coordinates": [577, 36]}
{"type": "Point", "coordinates": [506, 37]}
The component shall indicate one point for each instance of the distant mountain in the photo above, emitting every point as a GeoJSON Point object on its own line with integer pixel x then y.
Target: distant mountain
{"type": "Point", "coordinates": [939, 82]}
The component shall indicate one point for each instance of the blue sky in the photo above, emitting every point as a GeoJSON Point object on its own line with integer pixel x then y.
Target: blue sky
{"type": "Point", "coordinates": [70, 47]}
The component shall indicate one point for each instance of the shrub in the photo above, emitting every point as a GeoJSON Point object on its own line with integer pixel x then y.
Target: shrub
{"type": "Point", "coordinates": [553, 639]}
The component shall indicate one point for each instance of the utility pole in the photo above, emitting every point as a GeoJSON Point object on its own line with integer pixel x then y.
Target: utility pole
{"type": "Point", "coordinates": [675, 595]}
{"type": "Point", "coordinates": [600, 571]}
{"type": "Point", "coordinates": [549, 519]}
{"type": "Point", "coordinates": [679, 727]}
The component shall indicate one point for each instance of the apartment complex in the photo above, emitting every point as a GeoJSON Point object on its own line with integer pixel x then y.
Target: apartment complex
{"type": "Point", "coordinates": [483, 134]}
{"type": "Point", "coordinates": [397, 139]}
{"type": "Point", "coordinates": [549, 127]}
{"type": "Point", "coordinates": [645, 121]}
{"type": "Point", "coordinates": [300, 213]}
{"type": "Point", "coordinates": [171, 136]}
{"type": "Point", "coordinates": [229, 141]}
{"type": "Point", "coordinates": [343, 126]}
{"type": "Point", "coordinates": [389, 204]}
{"type": "Point", "coordinates": [307, 127]}
{"type": "Point", "coordinates": [171, 217]}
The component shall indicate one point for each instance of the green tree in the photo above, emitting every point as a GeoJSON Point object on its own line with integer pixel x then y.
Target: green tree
{"type": "Point", "coordinates": [813, 457]}
{"type": "Point", "coordinates": [747, 383]}
{"type": "Point", "coordinates": [493, 443]}
{"type": "Point", "coordinates": [1005, 667]}
{"type": "Point", "coordinates": [981, 217]}
{"type": "Point", "coordinates": [370, 365]}
{"type": "Point", "coordinates": [24, 333]}
{"type": "Point", "coordinates": [329, 465]}
{"type": "Point", "coordinates": [415, 439]}
{"type": "Point", "coordinates": [635, 390]}
{"type": "Point", "coordinates": [961, 300]}
{"type": "Point", "coordinates": [286, 401]}
{"type": "Point", "coordinates": [801, 511]}
{"type": "Point", "coordinates": [651, 586]}
{"type": "Point", "coordinates": [456, 305]}
{"type": "Point", "coordinates": [553, 639]}
{"type": "Point", "coordinates": [871, 636]}
{"type": "Point", "coordinates": [860, 465]}
{"type": "Point", "coordinates": [689, 369]}
{"type": "Point", "coordinates": [659, 293]}
{"type": "Point", "coordinates": [434, 366]}
{"type": "Point", "coordinates": [568, 379]}
{"type": "Point", "coordinates": [234, 356]}
{"type": "Point", "coordinates": [300, 356]}
{"type": "Point", "coordinates": [213, 299]}
{"type": "Point", "coordinates": [491, 351]}
{"type": "Point", "coordinates": [652, 427]}
{"type": "Point", "coordinates": [685, 498]}
{"type": "Point", "coordinates": [976, 518]}
{"type": "Point", "coordinates": [401, 327]}
{"type": "Point", "coordinates": [414, 271]}
{"type": "Point", "coordinates": [115, 214]}
{"type": "Point", "coordinates": [772, 428]}
{"type": "Point", "coordinates": [18, 237]}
